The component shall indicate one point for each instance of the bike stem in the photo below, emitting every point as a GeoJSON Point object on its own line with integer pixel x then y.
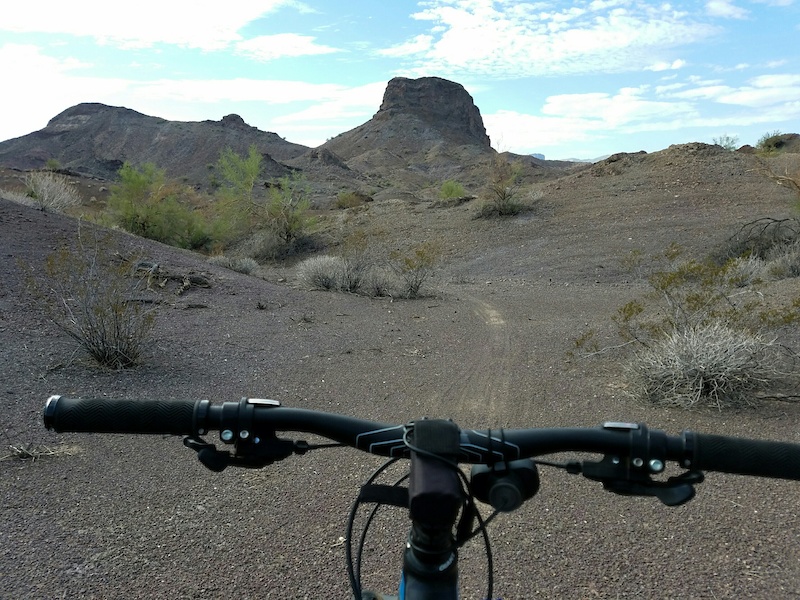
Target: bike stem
{"type": "Point", "coordinates": [430, 562]}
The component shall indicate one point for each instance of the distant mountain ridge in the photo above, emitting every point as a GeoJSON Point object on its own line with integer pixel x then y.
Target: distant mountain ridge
{"type": "Point", "coordinates": [425, 131]}
{"type": "Point", "coordinates": [97, 139]}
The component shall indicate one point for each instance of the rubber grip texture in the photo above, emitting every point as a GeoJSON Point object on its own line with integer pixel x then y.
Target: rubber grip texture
{"type": "Point", "coordinates": [121, 416]}
{"type": "Point", "coordinates": [747, 457]}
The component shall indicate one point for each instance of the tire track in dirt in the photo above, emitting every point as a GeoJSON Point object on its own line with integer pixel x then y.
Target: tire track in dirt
{"type": "Point", "coordinates": [478, 391]}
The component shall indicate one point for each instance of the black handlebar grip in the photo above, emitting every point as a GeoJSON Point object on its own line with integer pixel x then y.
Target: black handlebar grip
{"type": "Point", "coordinates": [746, 457]}
{"type": "Point", "coordinates": [120, 416]}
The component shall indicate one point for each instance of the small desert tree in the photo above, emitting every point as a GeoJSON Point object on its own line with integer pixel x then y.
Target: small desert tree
{"type": "Point", "coordinates": [239, 176]}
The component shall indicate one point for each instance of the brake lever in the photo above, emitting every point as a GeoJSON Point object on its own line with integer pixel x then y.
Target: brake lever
{"type": "Point", "coordinates": [618, 477]}
{"type": "Point", "coordinates": [250, 456]}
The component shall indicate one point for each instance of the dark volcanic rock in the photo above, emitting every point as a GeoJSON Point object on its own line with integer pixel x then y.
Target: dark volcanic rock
{"type": "Point", "coordinates": [444, 105]}
{"type": "Point", "coordinates": [96, 139]}
{"type": "Point", "coordinates": [428, 121]}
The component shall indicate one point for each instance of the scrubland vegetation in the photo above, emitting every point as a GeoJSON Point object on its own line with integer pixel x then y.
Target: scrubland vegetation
{"type": "Point", "coordinates": [709, 333]}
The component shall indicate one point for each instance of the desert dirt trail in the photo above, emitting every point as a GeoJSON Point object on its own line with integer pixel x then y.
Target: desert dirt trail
{"type": "Point", "coordinates": [478, 389]}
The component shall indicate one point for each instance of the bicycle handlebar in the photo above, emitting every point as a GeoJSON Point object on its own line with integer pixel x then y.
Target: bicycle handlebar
{"type": "Point", "coordinates": [251, 421]}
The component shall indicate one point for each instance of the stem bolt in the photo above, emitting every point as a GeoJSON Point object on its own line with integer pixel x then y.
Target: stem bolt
{"type": "Point", "coordinates": [226, 435]}
{"type": "Point", "coordinates": [656, 466]}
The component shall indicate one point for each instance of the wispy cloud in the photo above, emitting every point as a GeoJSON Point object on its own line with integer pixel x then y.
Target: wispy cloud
{"type": "Point", "coordinates": [513, 40]}
{"type": "Point", "coordinates": [725, 9]}
{"type": "Point", "coordinates": [202, 24]}
{"type": "Point", "coordinates": [271, 47]}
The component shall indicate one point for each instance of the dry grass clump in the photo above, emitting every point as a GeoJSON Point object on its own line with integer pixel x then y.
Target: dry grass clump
{"type": "Point", "coordinates": [50, 191]}
{"type": "Point", "coordinates": [708, 365]}
{"type": "Point", "coordinates": [241, 264]}
{"type": "Point", "coordinates": [403, 274]}
{"type": "Point", "coordinates": [46, 191]}
{"type": "Point", "coordinates": [322, 272]}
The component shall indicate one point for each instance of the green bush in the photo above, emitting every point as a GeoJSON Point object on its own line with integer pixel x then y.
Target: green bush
{"type": "Point", "coordinates": [235, 179]}
{"type": "Point", "coordinates": [451, 189]}
{"type": "Point", "coordinates": [145, 204]}
{"type": "Point", "coordinates": [768, 144]}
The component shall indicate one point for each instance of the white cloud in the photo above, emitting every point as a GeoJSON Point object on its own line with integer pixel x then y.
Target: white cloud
{"type": "Point", "coordinates": [667, 66]}
{"type": "Point", "coordinates": [200, 24]}
{"type": "Point", "coordinates": [514, 40]}
{"type": "Point", "coordinates": [725, 9]}
{"type": "Point", "coordinates": [39, 74]}
{"type": "Point", "coordinates": [761, 91]}
{"type": "Point", "coordinates": [270, 47]}
{"type": "Point", "coordinates": [415, 45]}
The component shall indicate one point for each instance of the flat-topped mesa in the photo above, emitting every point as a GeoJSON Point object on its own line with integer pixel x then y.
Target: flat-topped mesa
{"type": "Point", "coordinates": [444, 104]}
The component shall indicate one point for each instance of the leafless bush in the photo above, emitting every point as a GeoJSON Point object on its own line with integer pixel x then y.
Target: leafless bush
{"type": "Point", "coordinates": [50, 191]}
{"type": "Point", "coordinates": [706, 365]}
{"type": "Point", "coordinates": [760, 238]}
{"type": "Point", "coordinates": [97, 302]}
{"type": "Point", "coordinates": [414, 267]}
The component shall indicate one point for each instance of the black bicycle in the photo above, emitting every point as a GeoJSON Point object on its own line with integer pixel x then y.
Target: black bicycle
{"type": "Point", "coordinates": [440, 498]}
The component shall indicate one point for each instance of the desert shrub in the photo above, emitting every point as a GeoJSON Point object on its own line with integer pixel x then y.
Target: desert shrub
{"type": "Point", "coordinates": [746, 270]}
{"type": "Point", "coordinates": [350, 199]}
{"type": "Point", "coordinates": [52, 164]}
{"type": "Point", "coordinates": [322, 272]}
{"type": "Point", "coordinates": [700, 336]}
{"type": "Point", "coordinates": [706, 364]}
{"type": "Point", "coordinates": [451, 189]}
{"type": "Point", "coordinates": [501, 196]}
{"type": "Point", "coordinates": [145, 204]}
{"type": "Point", "coordinates": [768, 144]}
{"type": "Point", "coordinates": [759, 238]}
{"type": "Point", "coordinates": [287, 206]}
{"type": "Point", "coordinates": [728, 142]}
{"type": "Point", "coordinates": [16, 196]}
{"type": "Point", "coordinates": [96, 302]}
{"type": "Point", "coordinates": [377, 283]}
{"type": "Point", "coordinates": [50, 191]}
{"type": "Point", "coordinates": [414, 267]}
{"type": "Point", "coordinates": [783, 262]}
{"type": "Point", "coordinates": [239, 264]}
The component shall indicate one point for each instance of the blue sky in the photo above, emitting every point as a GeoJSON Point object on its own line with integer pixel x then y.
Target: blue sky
{"type": "Point", "coordinates": [567, 79]}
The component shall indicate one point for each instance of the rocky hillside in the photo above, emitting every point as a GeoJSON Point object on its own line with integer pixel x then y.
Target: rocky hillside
{"type": "Point", "coordinates": [96, 139]}
{"type": "Point", "coordinates": [425, 131]}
